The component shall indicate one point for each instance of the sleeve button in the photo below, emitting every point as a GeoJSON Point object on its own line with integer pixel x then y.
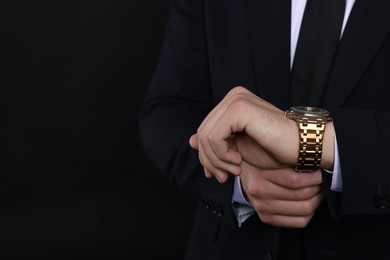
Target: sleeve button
{"type": "Point", "coordinates": [381, 201]}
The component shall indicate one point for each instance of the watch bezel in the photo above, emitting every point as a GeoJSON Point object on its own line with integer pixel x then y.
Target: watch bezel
{"type": "Point", "coordinates": [307, 110]}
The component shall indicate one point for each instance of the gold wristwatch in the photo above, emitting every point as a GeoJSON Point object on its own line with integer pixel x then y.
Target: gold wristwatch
{"type": "Point", "coordinates": [311, 124]}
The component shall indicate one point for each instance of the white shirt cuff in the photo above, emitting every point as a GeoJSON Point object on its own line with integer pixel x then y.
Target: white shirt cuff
{"type": "Point", "coordinates": [337, 181]}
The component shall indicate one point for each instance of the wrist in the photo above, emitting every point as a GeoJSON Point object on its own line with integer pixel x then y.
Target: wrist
{"type": "Point", "coordinates": [327, 161]}
{"type": "Point", "coordinates": [312, 124]}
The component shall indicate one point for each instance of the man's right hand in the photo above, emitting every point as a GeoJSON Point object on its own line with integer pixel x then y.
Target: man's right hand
{"type": "Point", "coordinates": [282, 197]}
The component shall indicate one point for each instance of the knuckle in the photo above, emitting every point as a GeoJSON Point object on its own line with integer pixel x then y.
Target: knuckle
{"type": "Point", "coordinates": [253, 190]}
{"type": "Point", "coordinates": [209, 137]}
{"type": "Point", "coordinates": [305, 193]}
{"type": "Point", "coordinates": [239, 103]}
{"type": "Point", "coordinates": [303, 222]}
{"type": "Point", "coordinates": [259, 207]}
{"type": "Point", "coordinates": [208, 165]}
{"type": "Point", "coordinates": [201, 136]}
{"type": "Point", "coordinates": [238, 90]}
{"type": "Point", "coordinates": [266, 218]}
{"type": "Point", "coordinates": [292, 181]}
{"type": "Point", "coordinates": [307, 208]}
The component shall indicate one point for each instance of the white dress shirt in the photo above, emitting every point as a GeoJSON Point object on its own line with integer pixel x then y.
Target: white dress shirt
{"type": "Point", "coordinates": [241, 206]}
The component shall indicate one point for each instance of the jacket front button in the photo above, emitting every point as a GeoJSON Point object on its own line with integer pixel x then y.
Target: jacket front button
{"type": "Point", "coordinates": [381, 201]}
{"type": "Point", "coordinates": [268, 256]}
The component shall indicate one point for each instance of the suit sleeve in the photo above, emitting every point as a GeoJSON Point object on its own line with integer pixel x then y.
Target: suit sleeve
{"type": "Point", "coordinates": [364, 148]}
{"type": "Point", "coordinates": [177, 101]}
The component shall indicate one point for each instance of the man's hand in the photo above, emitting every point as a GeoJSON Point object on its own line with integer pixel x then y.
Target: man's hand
{"type": "Point", "coordinates": [282, 197]}
{"type": "Point", "coordinates": [273, 139]}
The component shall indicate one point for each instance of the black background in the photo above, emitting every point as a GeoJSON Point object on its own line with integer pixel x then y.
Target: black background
{"type": "Point", "coordinates": [74, 180]}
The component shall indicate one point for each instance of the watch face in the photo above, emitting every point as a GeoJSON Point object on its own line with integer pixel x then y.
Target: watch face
{"type": "Point", "coordinates": [309, 110]}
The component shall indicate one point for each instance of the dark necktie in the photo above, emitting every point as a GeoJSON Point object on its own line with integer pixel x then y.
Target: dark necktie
{"type": "Point", "coordinates": [317, 43]}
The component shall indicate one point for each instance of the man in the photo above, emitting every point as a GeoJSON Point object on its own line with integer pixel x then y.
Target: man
{"type": "Point", "coordinates": [340, 204]}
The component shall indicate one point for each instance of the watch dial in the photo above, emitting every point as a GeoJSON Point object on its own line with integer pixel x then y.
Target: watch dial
{"type": "Point", "coordinates": [309, 110]}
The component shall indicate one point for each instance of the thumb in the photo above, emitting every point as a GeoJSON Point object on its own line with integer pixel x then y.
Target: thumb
{"type": "Point", "coordinates": [194, 142]}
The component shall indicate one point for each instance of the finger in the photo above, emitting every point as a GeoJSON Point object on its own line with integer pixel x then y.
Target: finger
{"type": "Point", "coordinates": [209, 169]}
{"type": "Point", "coordinates": [270, 191]}
{"type": "Point", "coordinates": [205, 137]}
{"type": "Point", "coordinates": [217, 140]}
{"type": "Point", "coordinates": [291, 179]}
{"type": "Point", "coordinates": [289, 208]}
{"type": "Point", "coordinates": [194, 142]}
{"type": "Point", "coordinates": [286, 221]}
{"type": "Point", "coordinates": [214, 164]}
{"type": "Point", "coordinates": [290, 220]}
{"type": "Point", "coordinates": [220, 176]}
{"type": "Point", "coordinates": [260, 184]}
{"type": "Point", "coordinates": [212, 171]}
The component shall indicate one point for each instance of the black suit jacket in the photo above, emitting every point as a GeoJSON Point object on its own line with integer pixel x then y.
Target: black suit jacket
{"type": "Point", "coordinates": [212, 46]}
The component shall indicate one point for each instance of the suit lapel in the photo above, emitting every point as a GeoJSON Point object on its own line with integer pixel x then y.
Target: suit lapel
{"type": "Point", "coordinates": [367, 28]}
{"type": "Point", "coordinates": [269, 24]}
